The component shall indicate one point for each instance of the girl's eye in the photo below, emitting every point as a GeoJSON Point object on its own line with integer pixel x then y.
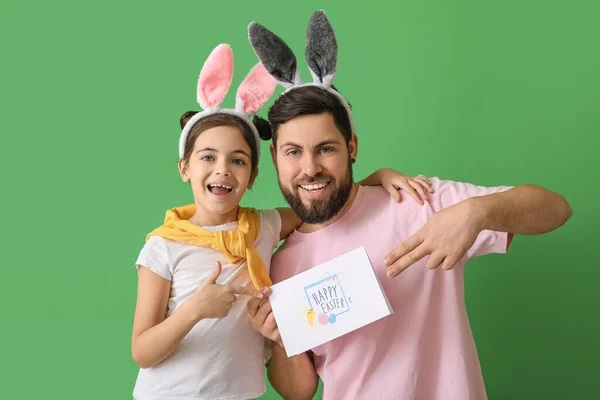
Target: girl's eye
{"type": "Point", "coordinates": [207, 158]}
{"type": "Point", "coordinates": [239, 161]}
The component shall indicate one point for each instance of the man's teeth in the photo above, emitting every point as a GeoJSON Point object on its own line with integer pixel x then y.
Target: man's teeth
{"type": "Point", "coordinates": [212, 185]}
{"type": "Point", "coordinates": [314, 187]}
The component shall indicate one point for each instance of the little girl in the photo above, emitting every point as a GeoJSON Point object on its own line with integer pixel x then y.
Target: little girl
{"type": "Point", "coordinates": [191, 335]}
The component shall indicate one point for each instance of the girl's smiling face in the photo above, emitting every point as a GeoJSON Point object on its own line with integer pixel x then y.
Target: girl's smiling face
{"type": "Point", "coordinates": [220, 170]}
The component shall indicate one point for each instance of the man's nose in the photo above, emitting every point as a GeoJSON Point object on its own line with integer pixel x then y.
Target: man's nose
{"type": "Point", "coordinates": [311, 166]}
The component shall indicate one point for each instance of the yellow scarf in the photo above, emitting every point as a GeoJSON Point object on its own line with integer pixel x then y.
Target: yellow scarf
{"type": "Point", "coordinates": [234, 245]}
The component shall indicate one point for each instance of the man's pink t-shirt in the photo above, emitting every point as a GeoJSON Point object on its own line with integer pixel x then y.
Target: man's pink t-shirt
{"type": "Point", "coordinates": [425, 350]}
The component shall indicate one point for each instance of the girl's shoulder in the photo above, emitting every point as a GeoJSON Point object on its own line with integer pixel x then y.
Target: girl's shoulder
{"type": "Point", "coordinates": [156, 257]}
{"type": "Point", "coordinates": [270, 225]}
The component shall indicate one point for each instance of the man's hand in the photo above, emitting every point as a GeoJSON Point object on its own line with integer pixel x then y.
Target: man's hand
{"type": "Point", "coordinates": [260, 313]}
{"type": "Point", "coordinates": [446, 238]}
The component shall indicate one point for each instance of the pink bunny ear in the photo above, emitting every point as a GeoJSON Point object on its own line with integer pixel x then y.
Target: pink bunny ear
{"type": "Point", "coordinates": [256, 89]}
{"type": "Point", "coordinates": [215, 77]}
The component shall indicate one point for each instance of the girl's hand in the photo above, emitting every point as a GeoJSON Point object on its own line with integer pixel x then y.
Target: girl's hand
{"type": "Point", "coordinates": [212, 300]}
{"type": "Point", "coordinates": [416, 186]}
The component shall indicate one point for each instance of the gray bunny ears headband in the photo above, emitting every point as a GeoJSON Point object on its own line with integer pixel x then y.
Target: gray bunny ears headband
{"type": "Point", "coordinates": [321, 55]}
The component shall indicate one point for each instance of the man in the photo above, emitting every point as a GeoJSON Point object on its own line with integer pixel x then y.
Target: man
{"type": "Point", "coordinates": [425, 350]}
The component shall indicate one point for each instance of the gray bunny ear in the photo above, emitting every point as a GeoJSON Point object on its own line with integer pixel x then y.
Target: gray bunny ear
{"type": "Point", "coordinates": [274, 54]}
{"type": "Point", "coordinates": [321, 49]}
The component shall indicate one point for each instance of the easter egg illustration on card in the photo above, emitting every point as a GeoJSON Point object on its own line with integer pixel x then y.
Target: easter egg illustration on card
{"type": "Point", "coordinates": [323, 319]}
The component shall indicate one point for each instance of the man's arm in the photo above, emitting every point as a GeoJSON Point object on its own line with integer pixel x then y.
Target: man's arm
{"type": "Point", "coordinates": [450, 233]}
{"type": "Point", "coordinates": [294, 377]}
{"type": "Point", "coordinates": [525, 210]}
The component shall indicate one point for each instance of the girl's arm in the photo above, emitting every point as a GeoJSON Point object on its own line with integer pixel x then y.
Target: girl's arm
{"type": "Point", "coordinates": [289, 222]}
{"type": "Point", "coordinates": [393, 181]}
{"type": "Point", "coordinates": [155, 337]}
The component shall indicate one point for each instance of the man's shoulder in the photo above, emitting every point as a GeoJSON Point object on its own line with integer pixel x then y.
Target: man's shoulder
{"type": "Point", "coordinates": [376, 201]}
{"type": "Point", "coordinates": [374, 192]}
{"type": "Point", "coordinates": [373, 197]}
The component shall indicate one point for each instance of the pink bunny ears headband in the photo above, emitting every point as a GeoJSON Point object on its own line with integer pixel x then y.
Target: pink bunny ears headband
{"type": "Point", "coordinates": [321, 55]}
{"type": "Point", "coordinates": [213, 85]}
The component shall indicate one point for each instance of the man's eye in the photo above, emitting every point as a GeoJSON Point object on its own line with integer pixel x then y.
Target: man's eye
{"type": "Point", "coordinates": [293, 152]}
{"type": "Point", "coordinates": [326, 149]}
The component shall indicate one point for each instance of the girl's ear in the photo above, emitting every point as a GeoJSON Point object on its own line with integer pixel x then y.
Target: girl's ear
{"type": "Point", "coordinates": [183, 170]}
{"type": "Point", "coordinates": [252, 178]}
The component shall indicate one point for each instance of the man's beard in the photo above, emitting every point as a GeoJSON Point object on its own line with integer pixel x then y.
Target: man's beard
{"type": "Point", "coordinates": [319, 211]}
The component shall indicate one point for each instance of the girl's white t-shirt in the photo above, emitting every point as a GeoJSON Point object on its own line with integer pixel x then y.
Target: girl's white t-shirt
{"type": "Point", "coordinates": [219, 358]}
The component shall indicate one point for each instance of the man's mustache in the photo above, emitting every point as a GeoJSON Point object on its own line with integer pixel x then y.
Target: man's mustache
{"type": "Point", "coordinates": [311, 179]}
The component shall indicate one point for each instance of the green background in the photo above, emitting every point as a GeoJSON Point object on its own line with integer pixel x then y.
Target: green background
{"type": "Point", "coordinates": [479, 91]}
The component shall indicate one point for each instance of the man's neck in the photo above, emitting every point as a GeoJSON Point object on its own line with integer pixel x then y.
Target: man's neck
{"type": "Point", "coordinates": [308, 228]}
